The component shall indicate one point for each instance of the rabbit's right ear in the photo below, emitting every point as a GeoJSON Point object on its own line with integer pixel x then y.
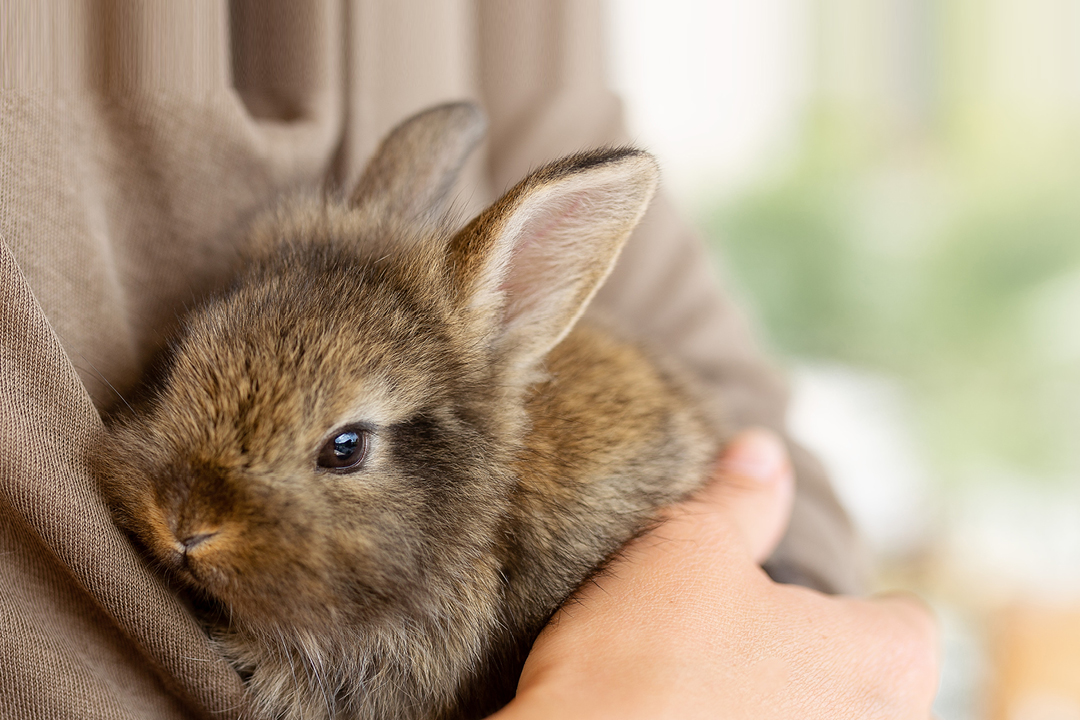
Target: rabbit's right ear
{"type": "Point", "coordinates": [527, 266]}
{"type": "Point", "coordinates": [415, 166]}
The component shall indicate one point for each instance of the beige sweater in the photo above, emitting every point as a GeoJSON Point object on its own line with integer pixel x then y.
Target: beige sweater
{"type": "Point", "coordinates": [134, 139]}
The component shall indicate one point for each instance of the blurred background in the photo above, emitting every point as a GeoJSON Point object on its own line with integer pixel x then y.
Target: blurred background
{"type": "Point", "coordinates": [893, 187]}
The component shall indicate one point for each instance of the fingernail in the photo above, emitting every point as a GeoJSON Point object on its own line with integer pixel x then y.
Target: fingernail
{"type": "Point", "coordinates": [756, 454]}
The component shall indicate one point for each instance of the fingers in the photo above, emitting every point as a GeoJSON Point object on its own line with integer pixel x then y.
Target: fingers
{"type": "Point", "coordinates": [754, 487]}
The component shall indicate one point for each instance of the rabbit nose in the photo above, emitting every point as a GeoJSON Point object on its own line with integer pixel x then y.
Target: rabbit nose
{"type": "Point", "coordinates": [191, 541]}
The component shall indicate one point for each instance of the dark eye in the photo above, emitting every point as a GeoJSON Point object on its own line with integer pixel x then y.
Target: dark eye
{"type": "Point", "coordinates": [345, 450]}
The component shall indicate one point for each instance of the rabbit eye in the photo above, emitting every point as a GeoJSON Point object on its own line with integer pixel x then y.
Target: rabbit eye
{"type": "Point", "coordinates": [345, 450]}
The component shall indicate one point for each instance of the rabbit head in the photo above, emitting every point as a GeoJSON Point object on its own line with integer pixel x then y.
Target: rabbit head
{"type": "Point", "coordinates": [331, 440]}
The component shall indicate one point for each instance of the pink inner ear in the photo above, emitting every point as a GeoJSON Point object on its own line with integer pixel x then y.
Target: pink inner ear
{"type": "Point", "coordinates": [529, 247]}
{"type": "Point", "coordinates": [548, 262]}
{"type": "Point", "coordinates": [558, 255]}
{"type": "Point", "coordinates": [554, 241]}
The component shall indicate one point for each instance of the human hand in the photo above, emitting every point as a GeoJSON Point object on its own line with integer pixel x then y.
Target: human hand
{"type": "Point", "coordinates": [686, 625]}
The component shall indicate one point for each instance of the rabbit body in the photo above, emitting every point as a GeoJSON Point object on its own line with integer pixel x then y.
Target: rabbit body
{"type": "Point", "coordinates": [506, 449]}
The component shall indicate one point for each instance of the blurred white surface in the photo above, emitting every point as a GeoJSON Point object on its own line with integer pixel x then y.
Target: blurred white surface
{"type": "Point", "coordinates": [858, 424]}
{"type": "Point", "coordinates": [714, 88]}
{"type": "Point", "coordinates": [1014, 538]}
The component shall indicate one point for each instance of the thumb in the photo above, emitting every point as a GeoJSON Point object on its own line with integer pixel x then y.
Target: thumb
{"type": "Point", "coordinates": [754, 487]}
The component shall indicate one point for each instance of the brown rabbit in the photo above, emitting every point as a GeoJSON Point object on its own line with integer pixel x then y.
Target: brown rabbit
{"type": "Point", "coordinates": [385, 456]}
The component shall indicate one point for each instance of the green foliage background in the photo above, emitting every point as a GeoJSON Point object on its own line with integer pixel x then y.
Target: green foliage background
{"type": "Point", "coordinates": [945, 256]}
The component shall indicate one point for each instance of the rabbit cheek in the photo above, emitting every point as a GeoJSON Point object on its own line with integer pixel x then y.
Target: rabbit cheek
{"type": "Point", "coordinates": [258, 562]}
{"type": "Point", "coordinates": [261, 580]}
{"type": "Point", "coordinates": [374, 557]}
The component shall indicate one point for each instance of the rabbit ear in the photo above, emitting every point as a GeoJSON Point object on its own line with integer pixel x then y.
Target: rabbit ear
{"type": "Point", "coordinates": [414, 168]}
{"type": "Point", "coordinates": [534, 259]}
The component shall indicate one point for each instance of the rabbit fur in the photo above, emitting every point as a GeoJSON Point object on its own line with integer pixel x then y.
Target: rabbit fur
{"type": "Point", "coordinates": [508, 449]}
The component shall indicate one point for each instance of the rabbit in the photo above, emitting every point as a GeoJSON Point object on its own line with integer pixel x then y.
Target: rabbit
{"type": "Point", "coordinates": [380, 461]}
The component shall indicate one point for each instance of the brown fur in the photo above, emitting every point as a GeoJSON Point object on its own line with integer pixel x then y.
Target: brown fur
{"type": "Point", "coordinates": [513, 449]}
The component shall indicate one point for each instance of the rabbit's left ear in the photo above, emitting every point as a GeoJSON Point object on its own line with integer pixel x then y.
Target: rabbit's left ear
{"type": "Point", "coordinates": [415, 166]}
{"type": "Point", "coordinates": [529, 264]}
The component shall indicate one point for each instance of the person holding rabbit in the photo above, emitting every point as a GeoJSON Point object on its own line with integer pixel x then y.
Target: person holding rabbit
{"type": "Point", "coordinates": [136, 147]}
